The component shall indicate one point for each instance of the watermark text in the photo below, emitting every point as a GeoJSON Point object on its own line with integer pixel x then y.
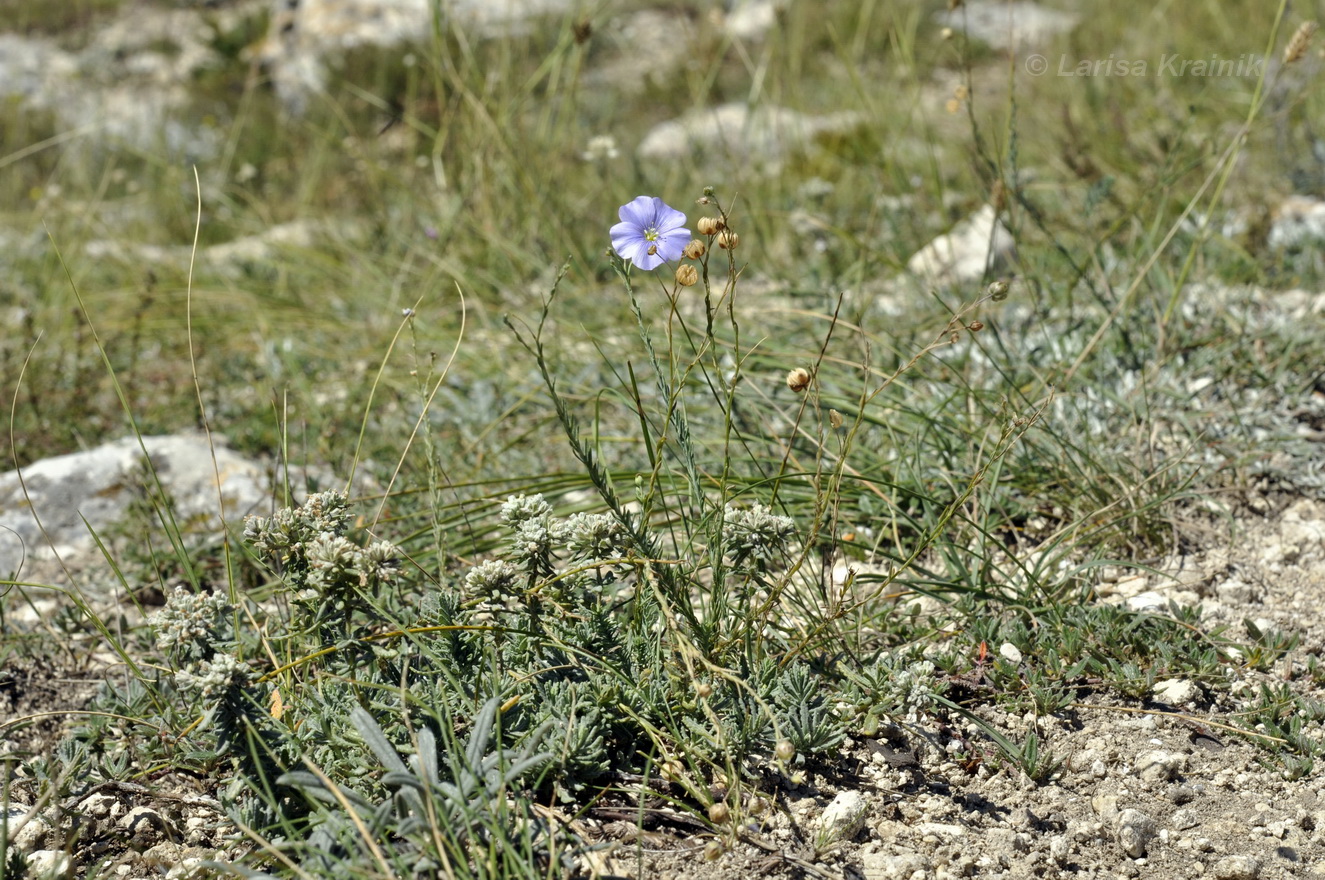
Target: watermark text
{"type": "Point", "coordinates": [1171, 65]}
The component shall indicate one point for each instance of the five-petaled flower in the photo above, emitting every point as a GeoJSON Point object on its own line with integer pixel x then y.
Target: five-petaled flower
{"type": "Point", "coordinates": [650, 233]}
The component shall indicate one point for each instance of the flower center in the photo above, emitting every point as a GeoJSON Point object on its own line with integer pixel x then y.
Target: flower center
{"type": "Point", "coordinates": [651, 234]}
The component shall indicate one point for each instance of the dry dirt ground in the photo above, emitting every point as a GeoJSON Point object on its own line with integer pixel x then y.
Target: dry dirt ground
{"type": "Point", "coordinates": [1161, 789]}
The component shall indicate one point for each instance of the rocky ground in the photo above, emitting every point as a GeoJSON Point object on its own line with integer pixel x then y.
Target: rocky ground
{"type": "Point", "coordinates": [1163, 788]}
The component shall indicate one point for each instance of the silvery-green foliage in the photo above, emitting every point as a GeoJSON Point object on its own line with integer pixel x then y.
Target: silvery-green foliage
{"type": "Point", "coordinates": [496, 584]}
{"type": "Point", "coordinates": [799, 698]}
{"type": "Point", "coordinates": [520, 509]}
{"type": "Point", "coordinates": [217, 678]}
{"type": "Point", "coordinates": [537, 535]}
{"type": "Point", "coordinates": [598, 536]}
{"type": "Point", "coordinates": [900, 685]}
{"type": "Point", "coordinates": [573, 713]}
{"type": "Point", "coordinates": [327, 573]}
{"type": "Point", "coordinates": [284, 535]}
{"type": "Point", "coordinates": [755, 536]}
{"type": "Point", "coordinates": [193, 626]}
{"type": "Point", "coordinates": [446, 795]}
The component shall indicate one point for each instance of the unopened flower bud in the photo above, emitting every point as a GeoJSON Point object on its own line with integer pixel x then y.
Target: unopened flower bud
{"type": "Point", "coordinates": [975, 326]}
{"type": "Point", "coordinates": [695, 249]}
{"type": "Point", "coordinates": [686, 275]}
{"type": "Point", "coordinates": [709, 225]}
{"type": "Point", "coordinates": [798, 379]}
{"type": "Point", "coordinates": [784, 751]}
{"type": "Point", "coordinates": [653, 250]}
{"type": "Point", "coordinates": [713, 851]}
{"type": "Point", "coordinates": [835, 419]}
{"type": "Point", "coordinates": [998, 291]}
{"type": "Point", "coordinates": [719, 814]}
{"type": "Point", "coordinates": [728, 240]}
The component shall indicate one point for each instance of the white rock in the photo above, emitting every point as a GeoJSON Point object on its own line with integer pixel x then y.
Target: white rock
{"type": "Point", "coordinates": [1181, 820]}
{"type": "Point", "coordinates": [1148, 602]}
{"type": "Point", "coordinates": [100, 805]}
{"type": "Point", "coordinates": [1060, 848]}
{"type": "Point", "coordinates": [1177, 691]}
{"type": "Point", "coordinates": [307, 36]}
{"type": "Point", "coordinates": [1302, 534]}
{"type": "Point", "coordinates": [1236, 591]}
{"type": "Point", "coordinates": [1134, 832]}
{"type": "Point", "coordinates": [1008, 25]}
{"type": "Point", "coordinates": [843, 818]}
{"type": "Point", "coordinates": [751, 19]}
{"type": "Point", "coordinates": [1105, 805]}
{"type": "Point", "coordinates": [48, 863]}
{"type": "Point", "coordinates": [1131, 586]}
{"type": "Point", "coordinates": [978, 244]}
{"type": "Point", "coordinates": [145, 825]}
{"type": "Point", "coordinates": [939, 829]}
{"type": "Point", "coordinates": [1009, 652]}
{"type": "Point", "coordinates": [1237, 868]}
{"type": "Point", "coordinates": [29, 836]}
{"type": "Point", "coordinates": [196, 829]}
{"type": "Point", "coordinates": [762, 135]}
{"type": "Point", "coordinates": [97, 486]}
{"type": "Point", "coordinates": [1158, 766]}
{"type": "Point", "coordinates": [900, 866]}
{"type": "Point", "coordinates": [1298, 220]}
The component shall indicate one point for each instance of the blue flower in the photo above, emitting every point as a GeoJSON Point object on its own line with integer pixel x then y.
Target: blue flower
{"type": "Point", "coordinates": [650, 233]}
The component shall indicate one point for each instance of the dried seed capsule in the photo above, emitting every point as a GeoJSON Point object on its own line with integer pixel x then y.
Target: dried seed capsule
{"type": "Point", "coordinates": [695, 249]}
{"type": "Point", "coordinates": [798, 379]}
{"type": "Point", "coordinates": [686, 275]}
{"type": "Point", "coordinates": [728, 240]}
{"type": "Point", "coordinates": [710, 225]}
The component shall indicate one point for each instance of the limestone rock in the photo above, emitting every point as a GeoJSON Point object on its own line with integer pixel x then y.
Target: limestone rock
{"type": "Point", "coordinates": [1299, 220]}
{"type": "Point", "coordinates": [1158, 766]}
{"type": "Point", "coordinates": [146, 827]}
{"type": "Point", "coordinates": [1134, 832]}
{"type": "Point", "coordinates": [1177, 691]}
{"type": "Point", "coordinates": [48, 863]}
{"type": "Point", "coordinates": [900, 866]}
{"type": "Point", "coordinates": [843, 818]}
{"type": "Point", "coordinates": [91, 490]}
{"type": "Point", "coordinates": [976, 245]}
{"type": "Point", "coordinates": [751, 19]}
{"type": "Point", "coordinates": [308, 36]}
{"type": "Point", "coordinates": [760, 135]}
{"type": "Point", "coordinates": [1237, 868]}
{"type": "Point", "coordinates": [28, 836]}
{"type": "Point", "coordinates": [1014, 25]}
